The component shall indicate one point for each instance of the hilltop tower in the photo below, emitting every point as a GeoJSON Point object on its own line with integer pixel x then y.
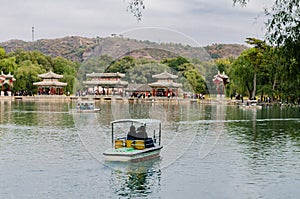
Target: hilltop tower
{"type": "Point", "coordinates": [32, 31]}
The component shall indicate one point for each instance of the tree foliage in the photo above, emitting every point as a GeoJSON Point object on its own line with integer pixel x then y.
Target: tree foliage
{"type": "Point", "coordinates": [2, 52]}
{"type": "Point", "coordinates": [192, 79]}
{"type": "Point", "coordinates": [264, 70]}
{"type": "Point", "coordinates": [8, 64]}
{"type": "Point", "coordinates": [122, 65]}
{"type": "Point", "coordinates": [283, 32]}
{"type": "Point", "coordinates": [284, 22]}
{"type": "Point", "coordinates": [178, 63]}
{"type": "Point", "coordinates": [196, 81]}
{"type": "Point", "coordinates": [27, 65]}
{"type": "Point", "coordinates": [26, 74]}
{"type": "Point", "coordinates": [242, 72]}
{"type": "Point", "coordinates": [142, 74]}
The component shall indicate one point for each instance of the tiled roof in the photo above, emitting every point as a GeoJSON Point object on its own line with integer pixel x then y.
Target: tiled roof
{"type": "Point", "coordinates": [50, 75]}
{"type": "Point", "coordinates": [138, 87]}
{"type": "Point", "coordinates": [49, 83]}
{"type": "Point", "coordinates": [106, 83]}
{"type": "Point", "coordinates": [166, 84]}
{"type": "Point", "coordinates": [105, 75]}
{"type": "Point", "coordinates": [165, 75]}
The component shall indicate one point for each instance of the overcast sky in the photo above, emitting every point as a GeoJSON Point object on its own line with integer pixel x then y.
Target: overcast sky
{"type": "Point", "coordinates": [196, 22]}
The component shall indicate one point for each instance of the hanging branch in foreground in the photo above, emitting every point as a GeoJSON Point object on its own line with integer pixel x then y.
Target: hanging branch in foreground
{"type": "Point", "coordinates": [136, 7]}
{"type": "Point", "coordinates": [242, 2]}
{"type": "Point", "coordinates": [284, 22]}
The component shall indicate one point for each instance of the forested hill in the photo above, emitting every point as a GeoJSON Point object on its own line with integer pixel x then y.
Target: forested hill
{"type": "Point", "coordinates": [80, 48]}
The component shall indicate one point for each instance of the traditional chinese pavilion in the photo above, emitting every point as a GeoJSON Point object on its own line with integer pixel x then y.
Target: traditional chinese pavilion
{"type": "Point", "coordinates": [221, 80]}
{"type": "Point", "coordinates": [106, 83]}
{"type": "Point", "coordinates": [165, 85]}
{"type": "Point", "coordinates": [138, 90]}
{"type": "Point", "coordinates": [50, 84]}
{"type": "Point", "coordinates": [6, 80]}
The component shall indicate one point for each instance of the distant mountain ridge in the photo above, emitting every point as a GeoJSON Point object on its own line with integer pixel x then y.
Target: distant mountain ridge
{"type": "Point", "coordinates": [79, 49]}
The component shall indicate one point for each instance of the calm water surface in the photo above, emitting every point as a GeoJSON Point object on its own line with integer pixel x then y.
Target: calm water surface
{"type": "Point", "coordinates": [210, 151]}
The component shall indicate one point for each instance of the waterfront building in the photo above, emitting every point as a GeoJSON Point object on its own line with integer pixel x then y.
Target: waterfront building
{"type": "Point", "coordinates": [7, 82]}
{"type": "Point", "coordinates": [221, 80]}
{"type": "Point", "coordinates": [50, 84]}
{"type": "Point", "coordinates": [165, 85]}
{"type": "Point", "coordinates": [138, 90]}
{"type": "Point", "coordinates": [106, 83]}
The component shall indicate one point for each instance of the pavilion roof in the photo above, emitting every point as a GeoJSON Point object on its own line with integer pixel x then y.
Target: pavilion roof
{"type": "Point", "coordinates": [120, 75]}
{"type": "Point", "coordinates": [218, 78]}
{"type": "Point", "coordinates": [50, 83]}
{"type": "Point", "coordinates": [139, 87]}
{"type": "Point", "coordinates": [50, 75]}
{"type": "Point", "coordinates": [106, 83]}
{"type": "Point", "coordinates": [165, 75]}
{"type": "Point", "coordinates": [165, 85]}
{"type": "Point", "coordinates": [8, 76]}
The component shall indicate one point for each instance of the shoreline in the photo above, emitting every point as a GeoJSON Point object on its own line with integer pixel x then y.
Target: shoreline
{"type": "Point", "coordinates": [63, 98]}
{"type": "Point", "coordinates": [175, 100]}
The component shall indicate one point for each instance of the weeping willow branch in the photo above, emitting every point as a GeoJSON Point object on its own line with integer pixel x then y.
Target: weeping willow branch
{"type": "Point", "coordinates": [136, 7]}
{"type": "Point", "coordinates": [241, 2]}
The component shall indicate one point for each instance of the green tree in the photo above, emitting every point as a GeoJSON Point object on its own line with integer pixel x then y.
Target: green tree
{"type": "Point", "coordinates": [177, 63]}
{"type": "Point", "coordinates": [241, 74]}
{"type": "Point", "coordinates": [283, 31]}
{"type": "Point", "coordinates": [196, 81]}
{"type": "Point", "coordinates": [26, 75]}
{"type": "Point", "coordinates": [255, 56]}
{"type": "Point", "coordinates": [35, 57]}
{"type": "Point", "coordinates": [67, 69]}
{"type": "Point", "coordinates": [122, 65]}
{"type": "Point", "coordinates": [61, 65]}
{"type": "Point", "coordinates": [254, 70]}
{"type": "Point", "coordinates": [223, 64]}
{"type": "Point", "coordinates": [142, 74]}
{"type": "Point", "coordinates": [2, 52]}
{"type": "Point", "coordinates": [8, 65]}
{"type": "Point", "coordinates": [94, 64]}
{"type": "Point", "coordinates": [193, 80]}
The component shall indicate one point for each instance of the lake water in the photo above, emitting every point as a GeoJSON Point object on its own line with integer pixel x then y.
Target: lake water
{"type": "Point", "coordinates": [210, 151]}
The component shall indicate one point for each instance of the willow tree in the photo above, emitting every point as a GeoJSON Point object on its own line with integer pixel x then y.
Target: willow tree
{"type": "Point", "coordinates": [242, 72]}
{"type": "Point", "coordinates": [255, 56]}
{"type": "Point", "coordinates": [283, 32]}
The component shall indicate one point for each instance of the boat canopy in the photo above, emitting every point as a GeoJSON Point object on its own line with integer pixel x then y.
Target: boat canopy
{"type": "Point", "coordinates": [141, 121]}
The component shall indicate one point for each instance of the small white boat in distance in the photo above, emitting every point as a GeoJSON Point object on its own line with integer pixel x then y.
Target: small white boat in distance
{"type": "Point", "coordinates": [132, 142]}
{"type": "Point", "coordinates": [86, 106]}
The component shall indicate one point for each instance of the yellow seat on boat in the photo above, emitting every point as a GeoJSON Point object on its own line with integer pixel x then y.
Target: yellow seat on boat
{"type": "Point", "coordinates": [119, 144]}
{"type": "Point", "coordinates": [139, 144]}
{"type": "Point", "coordinates": [129, 143]}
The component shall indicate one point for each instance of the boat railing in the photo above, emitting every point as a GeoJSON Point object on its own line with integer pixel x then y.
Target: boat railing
{"type": "Point", "coordinates": [128, 141]}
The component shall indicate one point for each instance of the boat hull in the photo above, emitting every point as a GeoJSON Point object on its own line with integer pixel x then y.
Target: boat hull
{"type": "Point", "coordinates": [132, 156]}
{"type": "Point", "coordinates": [89, 111]}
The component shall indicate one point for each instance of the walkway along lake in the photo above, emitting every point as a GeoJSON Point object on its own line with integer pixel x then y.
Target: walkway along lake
{"type": "Point", "coordinates": [210, 151]}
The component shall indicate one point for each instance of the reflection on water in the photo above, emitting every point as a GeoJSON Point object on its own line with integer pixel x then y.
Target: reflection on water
{"type": "Point", "coordinates": [210, 151]}
{"type": "Point", "coordinates": [135, 180]}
